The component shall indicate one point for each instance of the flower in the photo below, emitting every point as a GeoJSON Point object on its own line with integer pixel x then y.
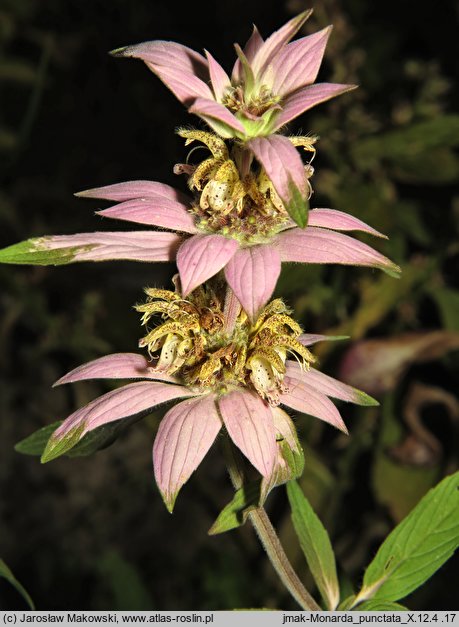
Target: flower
{"type": "Point", "coordinates": [233, 379]}
{"type": "Point", "coordinates": [249, 245]}
{"type": "Point", "coordinates": [270, 85]}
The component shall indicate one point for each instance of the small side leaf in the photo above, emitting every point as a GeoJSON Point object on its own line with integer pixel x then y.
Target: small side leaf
{"type": "Point", "coordinates": [315, 544]}
{"type": "Point", "coordinates": [6, 573]}
{"type": "Point", "coordinates": [417, 547]}
{"type": "Point", "coordinates": [235, 513]}
{"type": "Point", "coordinates": [103, 436]}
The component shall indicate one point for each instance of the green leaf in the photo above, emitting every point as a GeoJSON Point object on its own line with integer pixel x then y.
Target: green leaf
{"type": "Point", "coordinates": [235, 513]}
{"type": "Point", "coordinates": [298, 205]}
{"type": "Point", "coordinates": [316, 545]}
{"type": "Point", "coordinates": [417, 547]}
{"type": "Point", "coordinates": [34, 252]}
{"type": "Point", "coordinates": [39, 443]}
{"type": "Point", "coordinates": [380, 606]}
{"type": "Point", "coordinates": [6, 573]}
{"type": "Point", "coordinates": [347, 603]}
{"type": "Point", "coordinates": [35, 443]}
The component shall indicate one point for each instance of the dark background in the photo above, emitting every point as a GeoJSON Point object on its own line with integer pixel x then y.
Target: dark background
{"type": "Point", "coordinates": [92, 533]}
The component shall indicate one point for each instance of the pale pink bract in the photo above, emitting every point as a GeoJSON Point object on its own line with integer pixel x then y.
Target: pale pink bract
{"type": "Point", "coordinates": [272, 83]}
{"type": "Point", "coordinates": [189, 429]}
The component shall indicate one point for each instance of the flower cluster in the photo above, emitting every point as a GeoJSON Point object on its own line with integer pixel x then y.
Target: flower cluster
{"type": "Point", "coordinates": [217, 343]}
{"type": "Point", "coordinates": [234, 379]}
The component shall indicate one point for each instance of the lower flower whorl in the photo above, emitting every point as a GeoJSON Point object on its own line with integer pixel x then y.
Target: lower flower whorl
{"type": "Point", "coordinates": [192, 342]}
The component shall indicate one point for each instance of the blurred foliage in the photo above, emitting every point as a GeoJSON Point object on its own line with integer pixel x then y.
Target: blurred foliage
{"type": "Point", "coordinates": [92, 532]}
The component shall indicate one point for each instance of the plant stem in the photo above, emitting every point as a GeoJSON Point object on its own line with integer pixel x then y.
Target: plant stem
{"type": "Point", "coordinates": [279, 560]}
{"type": "Point", "coordinates": [231, 310]}
{"type": "Point", "coordinates": [270, 541]}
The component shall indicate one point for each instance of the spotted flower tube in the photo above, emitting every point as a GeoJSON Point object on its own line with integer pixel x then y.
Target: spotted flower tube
{"type": "Point", "coordinates": [235, 381]}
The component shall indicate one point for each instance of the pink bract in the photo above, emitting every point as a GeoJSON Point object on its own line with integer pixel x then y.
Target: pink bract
{"type": "Point", "coordinates": [251, 268]}
{"type": "Point", "coordinates": [190, 427]}
{"type": "Point", "coordinates": [272, 83]}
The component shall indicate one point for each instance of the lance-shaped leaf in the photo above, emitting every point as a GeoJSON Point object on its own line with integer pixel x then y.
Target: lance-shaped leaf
{"type": "Point", "coordinates": [56, 250]}
{"type": "Point", "coordinates": [6, 573]}
{"type": "Point", "coordinates": [315, 544]}
{"type": "Point", "coordinates": [417, 547]}
{"type": "Point", "coordinates": [184, 436]}
{"type": "Point", "coordinates": [252, 274]}
{"type": "Point", "coordinates": [35, 443]}
{"type": "Point", "coordinates": [236, 512]}
{"type": "Point", "coordinates": [283, 166]}
{"type": "Point", "coordinates": [317, 245]}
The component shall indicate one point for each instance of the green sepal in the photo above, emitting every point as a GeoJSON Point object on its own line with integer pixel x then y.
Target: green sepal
{"type": "Point", "coordinates": [34, 252]}
{"type": "Point", "coordinates": [297, 206]}
{"type": "Point", "coordinates": [235, 513]}
{"type": "Point", "coordinates": [316, 545]}
{"type": "Point", "coordinates": [6, 573]}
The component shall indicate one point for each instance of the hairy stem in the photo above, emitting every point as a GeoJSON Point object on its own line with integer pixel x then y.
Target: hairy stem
{"type": "Point", "coordinates": [279, 560]}
{"type": "Point", "coordinates": [269, 539]}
